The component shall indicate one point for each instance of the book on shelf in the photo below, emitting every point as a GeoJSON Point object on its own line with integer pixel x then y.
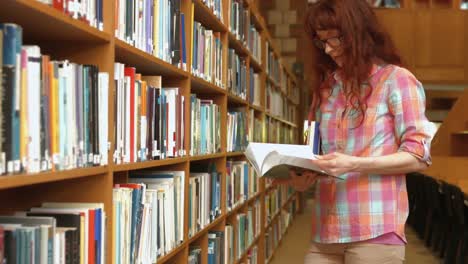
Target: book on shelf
{"type": "Point", "coordinates": [55, 233]}
{"type": "Point", "coordinates": [194, 255]}
{"type": "Point", "coordinates": [149, 120]}
{"type": "Point", "coordinates": [155, 27]}
{"type": "Point", "coordinates": [149, 215]}
{"type": "Point", "coordinates": [205, 126]}
{"type": "Point", "coordinates": [54, 113]}
{"type": "Point", "coordinates": [236, 130]}
{"type": "Point", "coordinates": [88, 11]}
{"type": "Point", "coordinates": [207, 56]}
{"type": "Point", "coordinates": [275, 160]}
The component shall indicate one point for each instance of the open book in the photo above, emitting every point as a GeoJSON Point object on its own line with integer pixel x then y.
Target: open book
{"type": "Point", "coordinates": [275, 160]}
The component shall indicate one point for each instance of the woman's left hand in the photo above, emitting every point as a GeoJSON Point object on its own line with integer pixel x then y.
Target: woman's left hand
{"type": "Point", "coordinates": [337, 163]}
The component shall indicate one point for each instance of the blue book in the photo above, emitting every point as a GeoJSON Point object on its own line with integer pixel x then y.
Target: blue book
{"type": "Point", "coordinates": [10, 131]}
{"type": "Point", "coordinates": [312, 135]}
{"type": "Point", "coordinates": [184, 51]}
{"type": "Point", "coordinates": [211, 252]}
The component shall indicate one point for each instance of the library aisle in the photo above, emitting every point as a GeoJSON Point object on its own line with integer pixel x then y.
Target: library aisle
{"type": "Point", "coordinates": [294, 244]}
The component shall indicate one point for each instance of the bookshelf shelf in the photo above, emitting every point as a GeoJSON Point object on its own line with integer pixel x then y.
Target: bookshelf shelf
{"type": "Point", "coordinates": [258, 21]}
{"type": "Point", "coordinates": [148, 164]}
{"type": "Point", "coordinates": [242, 205]}
{"type": "Point", "coordinates": [145, 63]}
{"type": "Point", "coordinates": [255, 64]}
{"type": "Point", "coordinates": [44, 23]}
{"type": "Point", "coordinates": [205, 15]}
{"type": "Point", "coordinates": [207, 228]}
{"type": "Point", "coordinates": [234, 154]}
{"type": "Point", "coordinates": [14, 181]}
{"type": "Point", "coordinates": [236, 100]}
{"type": "Point", "coordinates": [201, 86]}
{"type": "Point", "coordinates": [237, 45]}
{"type": "Point", "coordinates": [461, 133]}
{"type": "Point", "coordinates": [257, 108]}
{"type": "Point", "coordinates": [174, 252]}
{"type": "Point", "coordinates": [273, 82]}
{"type": "Point", "coordinates": [66, 38]}
{"type": "Point", "coordinates": [207, 156]}
{"type": "Point", "coordinates": [281, 120]}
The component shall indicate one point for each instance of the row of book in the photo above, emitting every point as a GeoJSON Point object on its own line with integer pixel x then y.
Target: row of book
{"type": "Point", "coordinates": [274, 200]}
{"type": "Point", "coordinates": [254, 43]}
{"type": "Point", "coordinates": [239, 20]}
{"type": "Point", "coordinates": [248, 228]}
{"type": "Point", "coordinates": [294, 92]}
{"type": "Point", "coordinates": [204, 200]}
{"type": "Point", "coordinates": [278, 132]}
{"type": "Point", "coordinates": [255, 88]}
{"type": "Point", "coordinates": [237, 74]}
{"type": "Point", "coordinates": [88, 11]}
{"type": "Point", "coordinates": [149, 119]}
{"type": "Point", "coordinates": [207, 54]}
{"type": "Point", "coordinates": [54, 233]}
{"type": "Point", "coordinates": [275, 233]}
{"type": "Point", "coordinates": [278, 105]}
{"type": "Point", "coordinates": [205, 130]}
{"type": "Point", "coordinates": [242, 182]}
{"type": "Point", "coordinates": [236, 130]}
{"type": "Point", "coordinates": [156, 27]}
{"type": "Point", "coordinates": [216, 6]}
{"type": "Point", "coordinates": [149, 215]}
{"type": "Point", "coordinates": [256, 126]}
{"type": "Point", "coordinates": [53, 114]}
{"type": "Point", "coordinates": [272, 64]}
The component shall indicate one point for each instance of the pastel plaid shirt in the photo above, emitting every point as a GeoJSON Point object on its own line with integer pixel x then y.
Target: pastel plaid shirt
{"type": "Point", "coordinates": [366, 206]}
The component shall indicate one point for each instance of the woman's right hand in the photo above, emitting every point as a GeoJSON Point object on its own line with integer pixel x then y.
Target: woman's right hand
{"type": "Point", "coordinates": [299, 182]}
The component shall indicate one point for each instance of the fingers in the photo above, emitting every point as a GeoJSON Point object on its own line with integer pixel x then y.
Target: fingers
{"type": "Point", "coordinates": [327, 156]}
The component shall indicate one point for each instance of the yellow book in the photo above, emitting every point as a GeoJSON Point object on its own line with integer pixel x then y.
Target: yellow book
{"type": "Point", "coordinates": [156, 28]}
{"type": "Point", "coordinates": [192, 23]}
{"type": "Point", "coordinates": [143, 97]}
{"type": "Point", "coordinates": [54, 118]}
{"type": "Point", "coordinates": [24, 136]}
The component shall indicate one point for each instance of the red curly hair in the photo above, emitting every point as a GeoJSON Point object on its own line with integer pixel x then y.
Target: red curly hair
{"type": "Point", "coordinates": [364, 40]}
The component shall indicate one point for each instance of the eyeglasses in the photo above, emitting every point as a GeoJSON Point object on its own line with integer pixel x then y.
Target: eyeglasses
{"type": "Point", "coordinates": [333, 42]}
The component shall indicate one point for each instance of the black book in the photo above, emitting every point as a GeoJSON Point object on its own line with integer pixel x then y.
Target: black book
{"type": "Point", "coordinates": [96, 113]}
{"type": "Point", "coordinates": [10, 240]}
{"type": "Point", "coordinates": [175, 32]}
{"type": "Point", "coordinates": [149, 117]}
{"type": "Point", "coordinates": [158, 122]}
{"type": "Point", "coordinates": [7, 89]}
{"type": "Point", "coordinates": [72, 220]}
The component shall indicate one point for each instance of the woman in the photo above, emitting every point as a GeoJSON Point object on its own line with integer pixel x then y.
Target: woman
{"type": "Point", "coordinates": [373, 131]}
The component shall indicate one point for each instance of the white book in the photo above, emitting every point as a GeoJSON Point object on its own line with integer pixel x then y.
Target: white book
{"type": "Point", "coordinates": [103, 116]}
{"type": "Point", "coordinates": [77, 211]}
{"type": "Point", "coordinates": [34, 102]}
{"type": "Point", "coordinates": [275, 160]}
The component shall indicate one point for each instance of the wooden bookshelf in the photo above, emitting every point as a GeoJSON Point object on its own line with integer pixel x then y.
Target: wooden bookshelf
{"type": "Point", "coordinates": [63, 37]}
{"type": "Point", "coordinates": [419, 28]}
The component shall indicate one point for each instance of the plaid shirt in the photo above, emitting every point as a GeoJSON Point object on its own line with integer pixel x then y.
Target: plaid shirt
{"type": "Point", "coordinates": [365, 206]}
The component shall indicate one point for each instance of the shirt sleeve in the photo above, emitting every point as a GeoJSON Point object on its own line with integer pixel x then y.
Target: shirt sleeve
{"type": "Point", "coordinates": [407, 103]}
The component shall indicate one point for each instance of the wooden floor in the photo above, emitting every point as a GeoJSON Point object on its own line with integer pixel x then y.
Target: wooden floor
{"type": "Point", "coordinates": [295, 243]}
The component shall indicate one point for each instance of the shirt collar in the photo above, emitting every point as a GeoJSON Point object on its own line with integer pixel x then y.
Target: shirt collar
{"type": "Point", "coordinates": [374, 70]}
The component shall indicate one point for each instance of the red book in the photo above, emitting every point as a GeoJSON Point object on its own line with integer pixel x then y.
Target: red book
{"type": "Point", "coordinates": [91, 237]}
{"type": "Point", "coordinates": [58, 4]}
{"type": "Point", "coordinates": [177, 132]}
{"type": "Point", "coordinates": [130, 72]}
{"type": "Point", "coordinates": [2, 245]}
